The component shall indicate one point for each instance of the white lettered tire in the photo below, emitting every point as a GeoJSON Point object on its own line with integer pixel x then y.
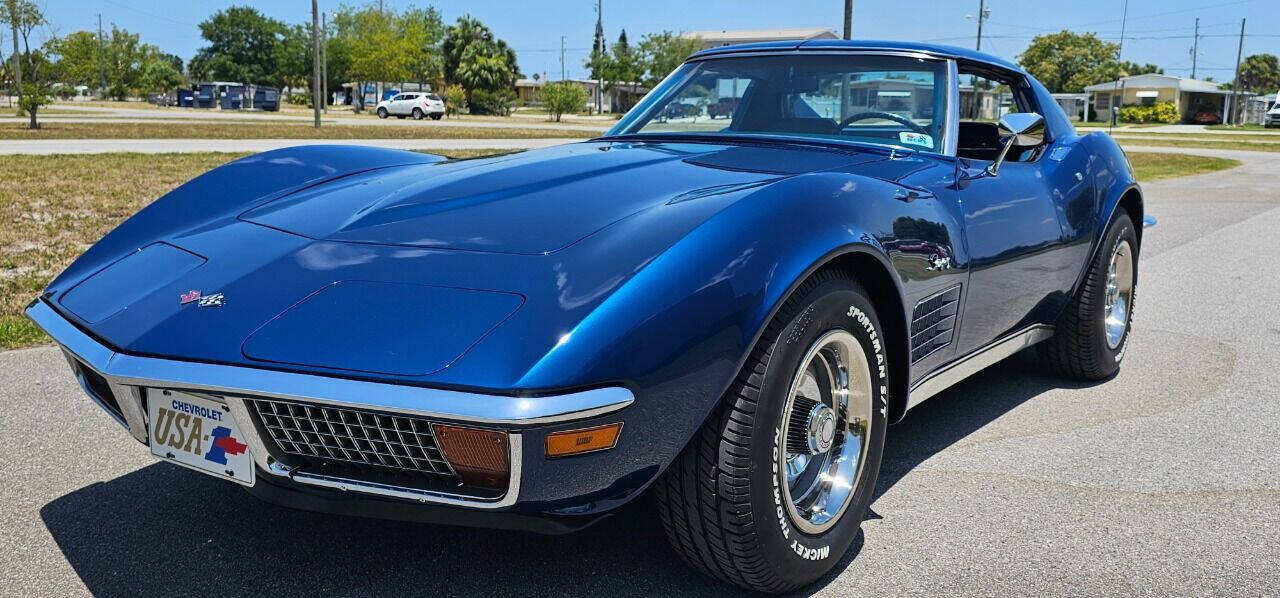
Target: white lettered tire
{"type": "Point", "coordinates": [726, 502]}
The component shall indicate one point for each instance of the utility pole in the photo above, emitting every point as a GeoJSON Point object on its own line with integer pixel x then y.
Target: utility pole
{"type": "Point", "coordinates": [17, 58]}
{"type": "Point", "coordinates": [562, 58]}
{"type": "Point", "coordinates": [1124, 20]}
{"type": "Point", "coordinates": [102, 71]}
{"type": "Point", "coordinates": [848, 19]}
{"type": "Point", "coordinates": [982, 16]}
{"type": "Point", "coordinates": [1235, 81]}
{"type": "Point", "coordinates": [315, 61]}
{"type": "Point", "coordinates": [324, 60]}
{"type": "Point", "coordinates": [1195, 49]}
{"type": "Point", "coordinates": [598, 48]}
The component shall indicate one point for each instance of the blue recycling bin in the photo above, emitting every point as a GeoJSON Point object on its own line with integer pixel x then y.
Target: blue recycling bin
{"type": "Point", "coordinates": [266, 98]}
{"type": "Point", "coordinates": [232, 97]}
{"type": "Point", "coordinates": [206, 96]}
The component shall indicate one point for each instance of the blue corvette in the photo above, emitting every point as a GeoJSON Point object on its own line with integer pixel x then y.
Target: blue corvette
{"type": "Point", "coordinates": [726, 312]}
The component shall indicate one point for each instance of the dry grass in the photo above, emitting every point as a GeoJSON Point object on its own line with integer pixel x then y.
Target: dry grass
{"type": "Point", "coordinates": [54, 207]}
{"type": "Point", "coordinates": [1148, 166]}
{"type": "Point", "coordinates": [269, 130]}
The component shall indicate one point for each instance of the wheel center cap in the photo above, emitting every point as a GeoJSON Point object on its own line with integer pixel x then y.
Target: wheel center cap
{"type": "Point", "coordinates": [822, 428]}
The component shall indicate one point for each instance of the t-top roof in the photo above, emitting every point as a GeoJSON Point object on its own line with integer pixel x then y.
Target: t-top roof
{"type": "Point", "coordinates": [859, 44]}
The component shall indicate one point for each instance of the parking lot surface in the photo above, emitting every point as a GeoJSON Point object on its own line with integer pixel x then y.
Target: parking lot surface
{"type": "Point", "coordinates": [1162, 481]}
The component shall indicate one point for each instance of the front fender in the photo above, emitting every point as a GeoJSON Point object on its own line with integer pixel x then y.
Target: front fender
{"type": "Point", "coordinates": [678, 331]}
{"type": "Point", "coordinates": [228, 190]}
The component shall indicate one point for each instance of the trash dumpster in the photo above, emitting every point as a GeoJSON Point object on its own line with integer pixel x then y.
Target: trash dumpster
{"type": "Point", "coordinates": [232, 97]}
{"type": "Point", "coordinates": [186, 98]}
{"type": "Point", "coordinates": [206, 96]}
{"type": "Point", "coordinates": [266, 98]}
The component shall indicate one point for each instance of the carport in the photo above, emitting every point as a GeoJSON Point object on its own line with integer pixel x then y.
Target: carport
{"type": "Point", "coordinates": [1189, 96]}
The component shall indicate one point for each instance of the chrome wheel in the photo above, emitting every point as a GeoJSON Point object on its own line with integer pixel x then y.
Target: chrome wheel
{"type": "Point", "coordinates": [1118, 296]}
{"type": "Point", "coordinates": [827, 424]}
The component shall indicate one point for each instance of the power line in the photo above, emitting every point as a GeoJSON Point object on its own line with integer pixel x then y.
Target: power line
{"type": "Point", "coordinates": [149, 14]}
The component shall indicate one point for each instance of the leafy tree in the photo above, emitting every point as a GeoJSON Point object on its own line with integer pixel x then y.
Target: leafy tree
{"type": "Point", "coordinates": [24, 16]}
{"type": "Point", "coordinates": [1067, 61]}
{"type": "Point", "coordinates": [661, 53]}
{"type": "Point", "coordinates": [158, 74]}
{"type": "Point", "coordinates": [1260, 73]}
{"type": "Point", "coordinates": [242, 46]}
{"type": "Point", "coordinates": [77, 58]}
{"type": "Point", "coordinates": [293, 57]}
{"type": "Point", "coordinates": [367, 41]}
{"type": "Point", "coordinates": [563, 97]}
{"type": "Point", "coordinates": [1126, 69]}
{"type": "Point", "coordinates": [421, 33]}
{"type": "Point", "coordinates": [478, 61]}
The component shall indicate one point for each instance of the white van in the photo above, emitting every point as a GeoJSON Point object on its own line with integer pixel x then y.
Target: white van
{"type": "Point", "coordinates": [1273, 115]}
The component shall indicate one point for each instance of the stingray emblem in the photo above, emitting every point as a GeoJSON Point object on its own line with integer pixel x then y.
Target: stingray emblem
{"type": "Point", "coordinates": [188, 297]}
{"type": "Point", "coordinates": [214, 300]}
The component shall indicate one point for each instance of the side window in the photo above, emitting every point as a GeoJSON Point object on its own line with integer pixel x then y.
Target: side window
{"type": "Point", "coordinates": [986, 95]}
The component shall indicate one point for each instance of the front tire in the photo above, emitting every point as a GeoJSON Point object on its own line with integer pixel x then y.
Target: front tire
{"type": "Point", "coordinates": [1093, 332]}
{"type": "Point", "coordinates": [751, 500]}
{"type": "Point", "coordinates": [382, 113]}
{"type": "Point", "coordinates": [436, 116]}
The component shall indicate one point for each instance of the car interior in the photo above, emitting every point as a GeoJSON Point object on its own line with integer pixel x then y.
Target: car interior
{"type": "Point", "coordinates": [979, 129]}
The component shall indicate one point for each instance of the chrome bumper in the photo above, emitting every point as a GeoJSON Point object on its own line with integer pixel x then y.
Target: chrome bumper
{"type": "Point", "coordinates": [128, 375]}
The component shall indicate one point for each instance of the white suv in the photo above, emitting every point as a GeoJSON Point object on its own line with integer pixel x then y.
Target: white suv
{"type": "Point", "coordinates": [1273, 116]}
{"type": "Point", "coordinates": [414, 104]}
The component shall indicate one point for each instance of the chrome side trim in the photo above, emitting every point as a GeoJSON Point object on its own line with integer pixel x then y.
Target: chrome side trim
{"type": "Point", "coordinates": [131, 370]}
{"type": "Point", "coordinates": [976, 362]}
{"type": "Point", "coordinates": [130, 400]}
{"type": "Point", "coordinates": [951, 144]}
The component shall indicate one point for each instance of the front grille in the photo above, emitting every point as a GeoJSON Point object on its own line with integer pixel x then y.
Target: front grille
{"type": "Point", "coordinates": [933, 322]}
{"type": "Point", "coordinates": [341, 438]}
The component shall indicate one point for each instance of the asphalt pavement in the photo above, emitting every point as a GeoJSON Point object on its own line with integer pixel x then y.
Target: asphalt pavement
{"type": "Point", "coordinates": [1162, 481]}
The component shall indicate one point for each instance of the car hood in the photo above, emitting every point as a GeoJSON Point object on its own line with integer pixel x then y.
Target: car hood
{"type": "Point", "coordinates": [528, 203]}
{"type": "Point", "coordinates": [407, 271]}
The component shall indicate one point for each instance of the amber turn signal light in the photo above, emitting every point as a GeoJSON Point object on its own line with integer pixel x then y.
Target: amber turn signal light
{"type": "Point", "coordinates": [587, 440]}
{"type": "Point", "coordinates": [479, 457]}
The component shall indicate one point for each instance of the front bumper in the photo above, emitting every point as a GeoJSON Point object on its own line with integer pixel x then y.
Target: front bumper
{"type": "Point", "coordinates": [118, 382]}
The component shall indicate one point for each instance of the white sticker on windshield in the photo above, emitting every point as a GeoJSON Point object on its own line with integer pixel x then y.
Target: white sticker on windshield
{"type": "Point", "coordinates": [916, 139]}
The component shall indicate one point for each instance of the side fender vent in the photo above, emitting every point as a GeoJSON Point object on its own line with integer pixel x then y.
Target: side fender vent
{"type": "Point", "coordinates": [933, 322]}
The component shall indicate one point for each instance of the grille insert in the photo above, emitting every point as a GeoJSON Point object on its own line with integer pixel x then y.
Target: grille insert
{"type": "Point", "coordinates": [933, 322]}
{"type": "Point", "coordinates": [381, 443]}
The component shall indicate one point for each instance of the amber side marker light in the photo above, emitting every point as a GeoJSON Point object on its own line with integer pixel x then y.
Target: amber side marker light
{"type": "Point", "coordinates": [586, 440]}
{"type": "Point", "coordinates": [479, 457]}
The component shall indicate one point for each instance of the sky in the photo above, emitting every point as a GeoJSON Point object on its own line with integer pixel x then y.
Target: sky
{"type": "Point", "coordinates": [1157, 31]}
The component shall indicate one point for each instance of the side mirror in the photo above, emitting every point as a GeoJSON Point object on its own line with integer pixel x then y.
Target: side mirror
{"type": "Point", "coordinates": [1018, 128]}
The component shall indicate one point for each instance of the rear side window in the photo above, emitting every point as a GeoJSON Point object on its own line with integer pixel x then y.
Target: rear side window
{"type": "Point", "coordinates": [433, 97]}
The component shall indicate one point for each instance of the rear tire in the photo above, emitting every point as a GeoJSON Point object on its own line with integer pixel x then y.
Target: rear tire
{"type": "Point", "coordinates": [417, 114]}
{"type": "Point", "coordinates": [1093, 332]}
{"type": "Point", "coordinates": [739, 503]}
{"type": "Point", "coordinates": [382, 113]}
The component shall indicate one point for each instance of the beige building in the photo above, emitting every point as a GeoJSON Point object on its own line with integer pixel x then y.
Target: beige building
{"type": "Point", "coordinates": [1188, 95]}
{"type": "Point", "coordinates": [713, 39]}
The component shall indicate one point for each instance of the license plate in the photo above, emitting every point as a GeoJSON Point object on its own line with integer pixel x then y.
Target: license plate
{"type": "Point", "coordinates": [198, 433]}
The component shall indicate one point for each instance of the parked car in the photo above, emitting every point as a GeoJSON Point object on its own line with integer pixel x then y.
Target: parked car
{"type": "Point", "coordinates": [415, 104]}
{"type": "Point", "coordinates": [722, 107]}
{"type": "Point", "coordinates": [1273, 115]}
{"type": "Point", "coordinates": [727, 319]}
{"type": "Point", "coordinates": [1207, 117]}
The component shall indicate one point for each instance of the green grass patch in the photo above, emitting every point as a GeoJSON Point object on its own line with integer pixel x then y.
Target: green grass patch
{"type": "Point", "coordinates": [1205, 144]}
{"type": "Point", "coordinates": [1150, 166]}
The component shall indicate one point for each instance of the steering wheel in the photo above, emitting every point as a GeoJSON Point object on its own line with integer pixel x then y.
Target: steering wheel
{"type": "Point", "coordinates": [904, 121]}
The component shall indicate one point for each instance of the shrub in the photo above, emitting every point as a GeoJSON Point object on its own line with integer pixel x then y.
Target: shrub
{"type": "Point", "coordinates": [455, 98]}
{"type": "Point", "coordinates": [300, 99]}
{"type": "Point", "coordinates": [491, 102]}
{"type": "Point", "coordinates": [1162, 112]}
{"type": "Point", "coordinates": [563, 97]}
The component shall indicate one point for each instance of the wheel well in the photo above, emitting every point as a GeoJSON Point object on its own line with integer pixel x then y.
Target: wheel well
{"type": "Point", "coordinates": [1131, 202]}
{"type": "Point", "coordinates": [877, 280]}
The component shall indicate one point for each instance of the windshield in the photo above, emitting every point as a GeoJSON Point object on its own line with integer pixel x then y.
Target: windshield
{"type": "Point", "coordinates": [887, 100]}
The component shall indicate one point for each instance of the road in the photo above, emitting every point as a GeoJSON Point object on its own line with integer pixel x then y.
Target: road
{"type": "Point", "coordinates": [1162, 481]}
